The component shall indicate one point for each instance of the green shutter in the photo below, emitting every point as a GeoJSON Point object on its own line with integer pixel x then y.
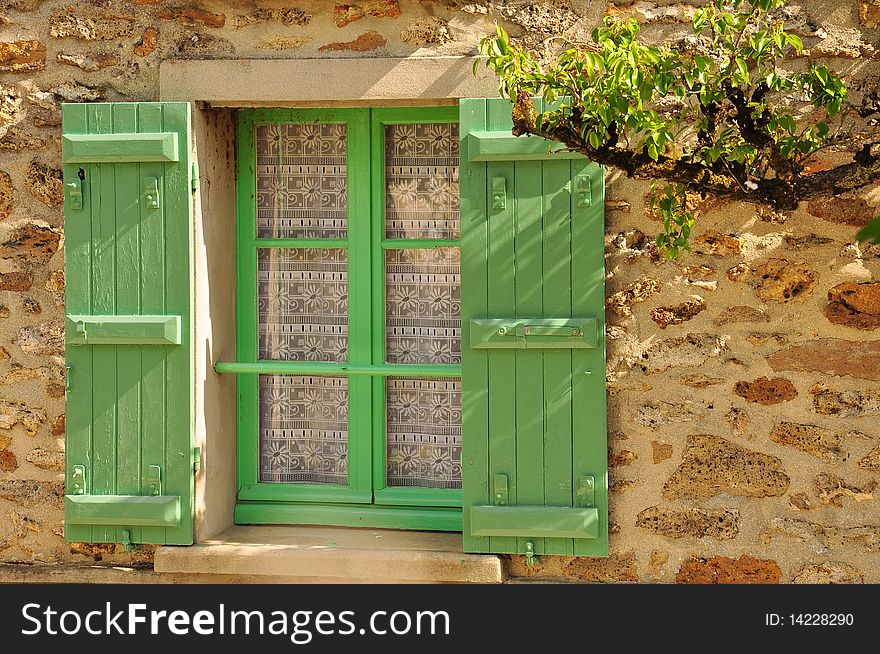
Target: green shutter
{"type": "Point", "coordinates": [533, 353]}
{"type": "Point", "coordinates": [128, 262]}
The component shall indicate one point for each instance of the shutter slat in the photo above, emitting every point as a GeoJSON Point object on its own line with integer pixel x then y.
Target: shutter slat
{"type": "Point", "coordinates": [120, 147]}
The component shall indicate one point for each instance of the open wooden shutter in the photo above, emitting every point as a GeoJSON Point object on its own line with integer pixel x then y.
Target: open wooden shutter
{"type": "Point", "coordinates": [533, 353]}
{"type": "Point", "coordinates": [128, 262]}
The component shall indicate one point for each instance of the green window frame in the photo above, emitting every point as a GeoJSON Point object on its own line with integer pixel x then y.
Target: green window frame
{"type": "Point", "coordinates": [365, 500]}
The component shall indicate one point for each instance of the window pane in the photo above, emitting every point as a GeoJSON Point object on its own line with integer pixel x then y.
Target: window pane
{"type": "Point", "coordinates": [303, 429]}
{"type": "Point", "coordinates": [301, 186]}
{"type": "Point", "coordinates": [421, 181]}
{"type": "Point", "coordinates": [422, 306]}
{"type": "Point", "coordinates": [423, 433]}
{"type": "Point", "coordinates": [303, 304]}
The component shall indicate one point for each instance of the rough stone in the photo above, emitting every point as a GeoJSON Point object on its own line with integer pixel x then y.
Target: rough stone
{"type": "Point", "coordinates": [5, 441]}
{"type": "Point", "coordinates": [831, 489]}
{"type": "Point", "coordinates": [741, 314]}
{"type": "Point", "coordinates": [848, 211]}
{"type": "Point", "coordinates": [367, 41]}
{"type": "Point", "coordinates": [71, 92]}
{"type": "Point", "coordinates": [701, 381]}
{"type": "Point", "coordinates": [806, 242]}
{"type": "Point", "coordinates": [725, 570]}
{"type": "Point", "coordinates": [716, 244]}
{"type": "Point", "coordinates": [619, 485]}
{"type": "Point", "coordinates": [344, 14]}
{"type": "Point", "coordinates": [204, 45]}
{"type": "Point", "coordinates": [45, 338]}
{"type": "Point", "coordinates": [8, 461]}
{"type": "Point", "coordinates": [712, 465]}
{"type": "Point", "coordinates": [290, 16]}
{"type": "Point", "coordinates": [7, 195]}
{"type": "Point", "coordinates": [427, 30]}
{"type": "Point", "coordinates": [18, 373]}
{"type": "Point", "coordinates": [16, 281]}
{"type": "Point", "coordinates": [31, 243]}
{"type": "Point", "coordinates": [31, 306]}
{"type": "Point", "coordinates": [818, 441]}
{"type": "Point", "coordinates": [280, 42]}
{"type": "Point", "coordinates": [784, 281]}
{"type": "Point", "coordinates": [11, 107]}
{"type": "Point", "coordinates": [54, 390]}
{"type": "Point", "coordinates": [55, 286]}
{"type": "Point", "coordinates": [829, 572]}
{"type": "Point", "coordinates": [22, 56]}
{"type": "Point", "coordinates": [45, 459]}
{"type": "Point", "coordinates": [29, 492]}
{"type": "Point", "coordinates": [675, 315]}
{"type": "Point", "coordinates": [763, 338]}
{"type": "Point", "coordinates": [800, 502]}
{"type": "Point", "coordinates": [869, 13]}
{"type": "Point", "coordinates": [45, 183]}
{"type": "Point", "coordinates": [684, 351]}
{"type": "Point", "coordinates": [192, 16]}
{"type": "Point", "coordinates": [621, 458]}
{"type": "Point", "coordinates": [854, 305]}
{"type": "Point", "coordinates": [615, 567]}
{"type": "Point", "coordinates": [59, 426]}
{"type": "Point", "coordinates": [621, 302]}
{"type": "Point", "coordinates": [831, 357]}
{"type": "Point", "coordinates": [821, 536]}
{"type": "Point", "coordinates": [656, 414]}
{"type": "Point", "coordinates": [16, 413]}
{"type": "Point", "coordinates": [699, 272]}
{"type": "Point", "coordinates": [766, 391]}
{"type": "Point", "coordinates": [90, 25]}
{"type": "Point", "coordinates": [721, 524]}
{"type": "Point", "coordinates": [147, 45]}
{"type": "Point", "coordinates": [660, 451]}
{"type": "Point", "coordinates": [657, 561]}
{"type": "Point", "coordinates": [91, 62]}
{"type": "Point", "coordinates": [652, 12]}
{"type": "Point", "coordinates": [845, 404]}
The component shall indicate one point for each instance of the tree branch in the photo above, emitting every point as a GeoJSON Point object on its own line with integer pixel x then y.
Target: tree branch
{"type": "Point", "coordinates": [781, 194]}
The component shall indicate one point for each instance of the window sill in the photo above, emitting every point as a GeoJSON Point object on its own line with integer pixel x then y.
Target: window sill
{"type": "Point", "coordinates": [297, 554]}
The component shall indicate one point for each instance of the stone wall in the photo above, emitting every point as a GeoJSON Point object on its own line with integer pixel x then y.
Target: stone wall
{"type": "Point", "coordinates": [742, 380]}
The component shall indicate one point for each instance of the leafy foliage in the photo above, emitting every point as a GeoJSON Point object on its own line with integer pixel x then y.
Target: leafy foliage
{"type": "Point", "coordinates": [720, 115]}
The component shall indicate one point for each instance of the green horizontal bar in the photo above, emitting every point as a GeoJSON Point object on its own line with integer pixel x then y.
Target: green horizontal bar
{"type": "Point", "coordinates": [380, 517]}
{"type": "Point", "coordinates": [328, 243]}
{"type": "Point", "coordinates": [401, 496]}
{"type": "Point", "coordinates": [122, 510]}
{"type": "Point", "coordinates": [418, 243]}
{"type": "Point", "coordinates": [317, 368]}
{"type": "Point", "coordinates": [123, 330]}
{"type": "Point", "coordinates": [112, 148]}
{"type": "Point", "coordinates": [503, 146]}
{"type": "Point", "coordinates": [280, 492]}
{"type": "Point", "coordinates": [537, 521]}
{"type": "Point", "coordinates": [534, 333]}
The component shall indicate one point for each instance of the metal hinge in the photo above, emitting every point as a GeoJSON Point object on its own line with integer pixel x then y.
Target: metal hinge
{"type": "Point", "coordinates": [195, 176]}
{"type": "Point", "coordinates": [154, 481]}
{"type": "Point", "coordinates": [197, 459]}
{"type": "Point", "coordinates": [499, 482]}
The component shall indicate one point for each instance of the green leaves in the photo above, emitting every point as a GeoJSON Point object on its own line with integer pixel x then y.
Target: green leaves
{"type": "Point", "coordinates": [729, 106]}
{"type": "Point", "coordinates": [870, 233]}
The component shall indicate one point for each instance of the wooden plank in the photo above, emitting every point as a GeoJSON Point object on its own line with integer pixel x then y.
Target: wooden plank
{"type": "Point", "coordinates": [121, 146]}
{"type": "Point", "coordinates": [557, 364]}
{"type": "Point", "coordinates": [77, 298]}
{"type": "Point", "coordinates": [504, 146]}
{"type": "Point", "coordinates": [474, 298]}
{"type": "Point", "coordinates": [528, 284]}
{"type": "Point", "coordinates": [130, 510]}
{"type": "Point", "coordinates": [178, 210]}
{"type": "Point", "coordinates": [533, 523]}
{"type": "Point", "coordinates": [104, 405]}
{"type": "Point", "coordinates": [136, 329]}
{"type": "Point", "coordinates": [127, 185]}
{"type": "Point", "coordinates": [502, 303]}
{"type": "Point", "coordinates": [589, 435]}
{"type": "Point", "coordinates": [152, 293]}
